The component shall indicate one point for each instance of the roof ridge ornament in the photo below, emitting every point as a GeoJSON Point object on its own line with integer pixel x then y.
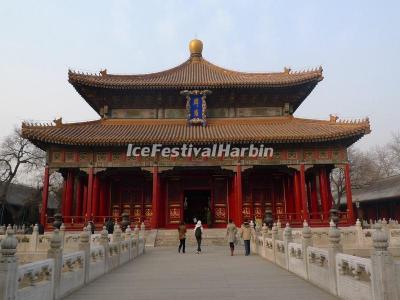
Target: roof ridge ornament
{"type": "Point", "coordinates": [333, 118]}
{"type": "Point", "coordinates": [58, 122]}
{"type": "Point", "coordinates": [287, 70]}
{"type": "Point", "coordinates": [196, 49]}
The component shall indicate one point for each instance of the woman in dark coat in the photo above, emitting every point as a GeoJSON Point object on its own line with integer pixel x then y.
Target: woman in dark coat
{"type": "Point", "coordinates": [182, 237]}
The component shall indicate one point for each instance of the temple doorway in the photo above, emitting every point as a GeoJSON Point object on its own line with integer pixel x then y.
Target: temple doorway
{"type": "Point", "coordinates": [196, 206]}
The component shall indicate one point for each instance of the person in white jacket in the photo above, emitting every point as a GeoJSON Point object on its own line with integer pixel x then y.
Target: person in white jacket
{"type": "Point", "coordinates": [198, 233]}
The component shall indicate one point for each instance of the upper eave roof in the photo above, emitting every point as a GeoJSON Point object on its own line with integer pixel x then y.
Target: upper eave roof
{"type": "Point", "coordinates": [119, 132]}
{"type": "Point", "coordinates": [196, 72]}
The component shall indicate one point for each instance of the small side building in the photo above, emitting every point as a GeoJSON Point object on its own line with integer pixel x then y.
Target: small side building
{"type": "Point", "coordinates": [379, 200]}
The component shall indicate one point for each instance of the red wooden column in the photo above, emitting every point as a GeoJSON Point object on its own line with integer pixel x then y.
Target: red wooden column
{"type": "Point", "coordinates": [155, 200]}
{"type": "Point", "coordinates": [239, 196]}
{"type": "Point", "coordinates": [85, 202]}
{"type": "Point", "coordinates": [69, 198]}
{"type": "Point", "coordinates": [329, 191]}
{"type": "Point", "coordinates": [108, 198]}
{"type": "Point", "coordinates": [297, 194]}
{"type": "Point", "coordinates": [231, 199]}
{"type": "Point", "coordinates": [102, 199]}
{"type": "Point", "coordinates": [64, 196]}
{"type": "Point", "coordinates": [314, 197]}
{"type": "Point", "coordinates": [89, 194]}
{"type": "Point", "coordinates": [323, 191]}
{"type": "Point", "coordinates": [303, 191]}
{"type": "Point", "coordinates": [349, 196]}
{"type": "Point", "coordinates": [95, 196]}
{"type": "Point", "coordinates": [45, 196]}
{"type": "Point", "coordinates": [288, 196]}
{"type": "Point", "coordinates": [79, 197]}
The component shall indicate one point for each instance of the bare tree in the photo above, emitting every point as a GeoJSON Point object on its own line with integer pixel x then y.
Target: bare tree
{"type": "Point", "coordinates": [56, 187]}
{"type": "Point", "coordinates": [364, 167]}
{"type": "Point", "coordinates": [337, 185]}
{"type": "Point", "coordinates": [385, 161]}
{"type": "Point", "coordinates": [394, 147]}
{"type": "Point", "coordinates": [17, 153]}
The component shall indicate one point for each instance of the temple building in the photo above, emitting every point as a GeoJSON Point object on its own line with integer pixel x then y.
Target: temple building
{"type": "Point", "coordinates": [378, 200]}
{"type": "Point", "coordinates": [196, 142]}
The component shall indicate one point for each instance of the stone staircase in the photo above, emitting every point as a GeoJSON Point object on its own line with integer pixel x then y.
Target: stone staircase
{"type": "Point", "coordinates": [211, 237]}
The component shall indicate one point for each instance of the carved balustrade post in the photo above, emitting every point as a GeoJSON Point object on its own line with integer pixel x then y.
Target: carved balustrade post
{"type": "Point", "coordinates": [383, 267]}
{"type": "Point", "coordinates": [254, 240]}
{"type": "Point", "coordinates": [84, 245]}
{"type": "Point", "coordinates": [280, 231]}
{"type": "Point", "coordinates": [62, 234]}
{"type": "Point", "coordinates": [105, 243]}
{"type": "Point", "coordinates": [143, 234]}
{"type": "Point", "coordinates": [136, 236]}
{"type": "Point", "coordinates": [128, 237]}
{"type": "Point", "coordinates": [274, 238]}
{"type": "Point", "coordinates": [306, 242]}
{"type": "Point", "coordinates": [142, 229]}
{"type": "Point", "coordinates": [8, 265]}
{"type": "Point", "coordinates": [56, 253]}
{"type": "Point", "coordinates": [264, 233]}
{"type": "Point", "coordinates": [360, 234]}
{"type": "Point", "coordinates": [287, 238]}
{"type": "Point", "coordinates": [117, 238]}
{"type": "Point", "coordinates": [34, 241]}
{"type": "Point", "coordinates": [334, 247]}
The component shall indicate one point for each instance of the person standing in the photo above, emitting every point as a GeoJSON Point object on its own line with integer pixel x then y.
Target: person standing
{"type": "Point", "coordinates": [182, 237]}
{"type": "Point", "coordinates": [92, 227]}
{"type": "Point", "coordinates": [110, 226]}
{"type": "Point", "coordinates": [246, 235]}
{"type": "Point", "coordinates": [231, 232]}
{"type": "Point", "coordinates": [198, 233]}
{"type": "Point", "coordinates": [209, 217]}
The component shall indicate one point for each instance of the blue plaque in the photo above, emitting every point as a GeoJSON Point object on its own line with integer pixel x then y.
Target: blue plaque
{"type": "Point", "coordinates": [196, 107]}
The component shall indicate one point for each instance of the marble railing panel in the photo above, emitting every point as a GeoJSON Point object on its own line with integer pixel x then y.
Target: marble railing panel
{"type": "Point", "coordinates": [353, 277]}
{"type": "Point", "coordinates": [297, 260]}
{"type": "Point", "coordinates": [72, 274]}
{"type": "Point", "coordinates": [318, 269]}
{"type": "Point", "coordinates": [97, 262]}
{"type": "Point", "coordinates": [36, 280]}
{"type": "Point", "coordinates": [280, 255]}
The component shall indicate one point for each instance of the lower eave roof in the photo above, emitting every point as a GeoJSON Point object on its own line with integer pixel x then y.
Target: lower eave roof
{"type": "Point", "coordinates": [120, 132]}
{"type": "Point", "coordinates": [387, 188]}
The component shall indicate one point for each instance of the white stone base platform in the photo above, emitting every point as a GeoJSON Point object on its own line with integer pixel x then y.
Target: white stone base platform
{"type": "Point", "coordinates": [164, 274]}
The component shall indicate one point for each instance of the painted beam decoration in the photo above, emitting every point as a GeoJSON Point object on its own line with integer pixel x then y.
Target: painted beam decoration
{"type": "Point", "coordinates": [196, 106]}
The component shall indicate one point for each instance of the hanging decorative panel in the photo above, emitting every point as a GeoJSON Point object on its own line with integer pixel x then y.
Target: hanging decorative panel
{"type": "Point", "coordinates": [196, 106]}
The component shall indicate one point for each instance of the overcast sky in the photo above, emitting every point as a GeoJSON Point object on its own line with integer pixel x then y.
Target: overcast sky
{"type": "Point", "coordinates": [356, 42]}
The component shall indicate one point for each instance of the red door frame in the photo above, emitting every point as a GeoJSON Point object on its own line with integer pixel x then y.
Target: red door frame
{"type": "Point", "coordinates": [198, 189]}
{"type": "Point", "coordinates": [187, 188]}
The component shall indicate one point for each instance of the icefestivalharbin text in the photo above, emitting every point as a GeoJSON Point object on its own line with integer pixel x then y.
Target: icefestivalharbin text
{"type": "Point", "coordinates": [188, 150]}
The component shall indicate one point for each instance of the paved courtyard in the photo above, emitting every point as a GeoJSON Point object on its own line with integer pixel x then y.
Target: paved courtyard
{"type": "Point", "coordinates": [162, 273]}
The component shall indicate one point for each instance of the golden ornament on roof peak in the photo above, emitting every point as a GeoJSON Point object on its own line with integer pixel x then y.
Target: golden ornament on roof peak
{"type": "Point", "coordinates": [195, 47]}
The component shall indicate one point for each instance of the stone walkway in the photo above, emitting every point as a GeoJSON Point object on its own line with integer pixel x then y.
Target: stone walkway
{"type": "Point", "coordinates": [162, 273]}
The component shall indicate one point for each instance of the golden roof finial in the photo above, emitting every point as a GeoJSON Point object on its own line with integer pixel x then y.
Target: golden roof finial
{"type": "Point", "coordinates": [195, 47]}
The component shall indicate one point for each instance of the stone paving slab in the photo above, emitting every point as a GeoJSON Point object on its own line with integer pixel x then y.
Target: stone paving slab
{"type": "Point", "coordinates": [162, 273]}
